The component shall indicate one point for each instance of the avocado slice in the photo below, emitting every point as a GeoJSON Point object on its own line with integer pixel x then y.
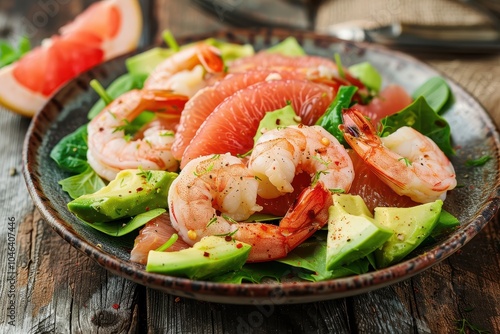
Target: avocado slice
{"type": "Point", "coordinates": [212, 255]}
{"type": "Point", "coordinates": [352, 231]}
{"type": "Point", "coordinates": [410, 226]}
{"type": "Point", "coordinates": [277, 118]}
{"type": "Point", "coordinates": [145, 62]}
{"type": "Point", "coordinates": [132, 192]}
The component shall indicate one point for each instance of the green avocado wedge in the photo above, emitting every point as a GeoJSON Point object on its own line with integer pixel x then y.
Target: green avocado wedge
{"type": "Point", "coordinates": [132, 192]}
{"type": "Point", "coordinates": [212, 255]}
{"type": "Point", "coordinates": [411, 226]}
{"type": "Point", "coordinates": [352, 231]}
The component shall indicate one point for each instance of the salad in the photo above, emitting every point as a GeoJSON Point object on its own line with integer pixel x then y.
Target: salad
{"type": "Point", "coordinates": [233, 165]}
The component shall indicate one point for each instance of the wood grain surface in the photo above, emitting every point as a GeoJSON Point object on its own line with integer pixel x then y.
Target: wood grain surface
{"type": "Point", "coordinates": [57, 289]}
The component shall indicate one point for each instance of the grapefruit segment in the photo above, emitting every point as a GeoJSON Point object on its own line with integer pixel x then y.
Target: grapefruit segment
{"type": "Point", "coordinates": [106, 29]}
{"type": "Point", "coordinates": [232, 125]}
{"type": "Point", "coordinates": [391, 99]}
{"type": "Point", "coordinates": [267, 60]}
{"type": "Point", "coordinates": [374, 192]}
{"type": "Point", "coordinates": [201, 105]}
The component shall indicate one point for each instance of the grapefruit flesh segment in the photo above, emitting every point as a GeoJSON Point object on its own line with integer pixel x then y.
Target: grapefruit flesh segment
{"type": "Point", "coordinates": [268, 60]}
{"type": "Point", "coordinates": [40, 72]}
{"type": "Point", "coordinates": [374, 192]}
{"type": "Point", "coordinates": [233, 124]}
{"type": "Point", "coordinates": [391, 99]}
{"type": "Point", "coordinates": [200, 106]}
{"type": "Point", "coordinates": [154, 234]}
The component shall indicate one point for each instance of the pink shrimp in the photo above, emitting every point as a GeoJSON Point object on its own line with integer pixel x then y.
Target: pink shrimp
{"type": "Point", "coordinates": [184, 71]}
{"type": "Point", "coordinates": [214, 195]}
{"type": "Point", "coordinates": [111, 150]}
{"type": "Point", "coordinates": [407, 161]}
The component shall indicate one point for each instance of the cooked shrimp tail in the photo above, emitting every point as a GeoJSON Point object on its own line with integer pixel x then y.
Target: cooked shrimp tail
{"type": "Point", "coordinates": [407, 161]}
{"type": "Point", "coordinates": [213, 195]}
{"type": "Point", "coordinates": [308, 215]}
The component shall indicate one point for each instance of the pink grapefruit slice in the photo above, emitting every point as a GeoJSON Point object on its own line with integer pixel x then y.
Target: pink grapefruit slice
{"type": "Point", "coordinates": [233, 124]}
{"type": "Point", "coordinates": [201, 105]}
{"type": "Point", "coordinates": [104, 30]}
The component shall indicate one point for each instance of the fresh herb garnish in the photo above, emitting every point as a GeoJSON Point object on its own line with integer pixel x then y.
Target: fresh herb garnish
{"type": "Point", "coordinates": [464, 327]}
{"type": "Point", "coordinates": [101, 91]}
{"type": "Point", "coordinates": [173, 238]}
{"type": "Point", "coordinates": [147, 174]}
{"type": "Point", "coordinates": [478, 162]}
{"type": "Point", "coordinates": [406, 161]}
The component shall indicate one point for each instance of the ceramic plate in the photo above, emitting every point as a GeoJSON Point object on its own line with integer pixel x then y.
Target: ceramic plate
{"type": "Point", "coordinates": [474, 203]}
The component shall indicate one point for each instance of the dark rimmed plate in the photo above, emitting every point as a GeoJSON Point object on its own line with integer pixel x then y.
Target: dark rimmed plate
{"type": "Point", "coordinates": [474, 203]}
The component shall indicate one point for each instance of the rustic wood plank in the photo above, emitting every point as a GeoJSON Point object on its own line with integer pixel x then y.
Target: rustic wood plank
{"type": "Point", "coordinates": [170, 314]}
{"type": "Point", "coordinates": [62, 290]}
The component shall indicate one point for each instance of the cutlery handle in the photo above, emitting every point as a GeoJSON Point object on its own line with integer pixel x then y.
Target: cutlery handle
{"type": "Point", "coordinates": [463, 39]}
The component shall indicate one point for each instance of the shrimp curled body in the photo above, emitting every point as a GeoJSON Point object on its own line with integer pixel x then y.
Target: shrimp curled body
{"type": "Point", "coordinates": [212, 194]}
{"type": "Point", "coordinates": [111, 150]}
{"type": "Point", "coordinates": [184, 71]}
{"type": "Point", "coordinates": [407, 161]}
{"type": "Point", "coordinates": [282, 153]}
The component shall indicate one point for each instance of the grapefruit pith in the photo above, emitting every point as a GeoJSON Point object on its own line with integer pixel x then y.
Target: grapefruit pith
{"type": "Point", "coordinates": [233, 124]}
{"type": "Point", "coordinates": [104, 30]}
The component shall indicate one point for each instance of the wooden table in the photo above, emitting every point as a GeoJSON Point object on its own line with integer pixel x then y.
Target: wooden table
{"type": "Point", "coordinates": [55, 289]}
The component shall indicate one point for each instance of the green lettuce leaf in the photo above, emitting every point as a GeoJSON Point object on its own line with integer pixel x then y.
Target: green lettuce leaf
{"type": "Point", "coordinates": [254, 273]}
{"type": "Point", "coordinates": [420, 116]}
{"type": "Point", "coordinates": [87, 182]}
{"type": "Point", "coordinates": [70, 153]}
{"type": "Point", "coordinates": [311, 255]}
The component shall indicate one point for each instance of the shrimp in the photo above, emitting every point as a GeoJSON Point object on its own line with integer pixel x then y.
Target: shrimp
{"type": "Point", "coordinates": [110, 149]}
{"type": "Point", "coordinates": [407, 161]}
{"type": "Point", "coordinates": [213, 194]}
{"type": "Point", "coordinates": [184, 71]}
{"type": "Point", "coordinates": [282, 153]}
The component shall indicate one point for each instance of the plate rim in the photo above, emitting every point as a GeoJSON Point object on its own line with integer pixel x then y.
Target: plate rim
{"type": "Point", "coordinates": [249, 293]}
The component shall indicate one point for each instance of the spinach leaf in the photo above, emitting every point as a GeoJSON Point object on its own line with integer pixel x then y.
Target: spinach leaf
{"type": "Point", "coordinates": [254, 273]}
{"type": "Point", "coordinates": [87, 182]}
{"type": "Point", "coordinates": [70, 153]}
{"type": "Point", "coordinates": [311, 255]}
{"type": "Point", "coordinates": [121, 227]}
{"type": "Point", "coordinates": [332, 117]}
{"type": "Point", "coordinates": [10, 54]}
{"type": "Point", "coordinates": [420, 116]}
{"type": "Point", "coordinates": [121, 85]}
{"type": "Point", "coordinates": [436, 92]}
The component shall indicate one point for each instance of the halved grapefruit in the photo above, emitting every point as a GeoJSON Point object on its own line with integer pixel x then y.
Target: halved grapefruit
{"type": "Point", "coordinates": [104, 30]}
{"type": "Point", "coordinates": [233, 124]}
